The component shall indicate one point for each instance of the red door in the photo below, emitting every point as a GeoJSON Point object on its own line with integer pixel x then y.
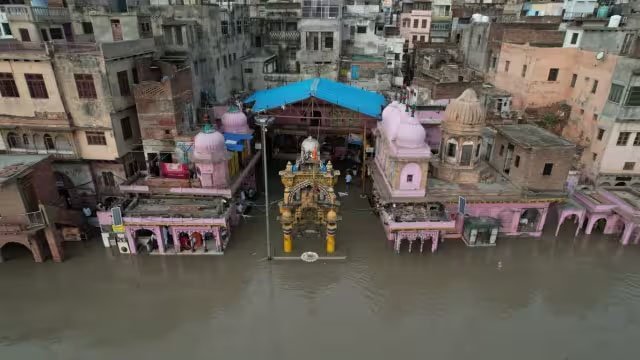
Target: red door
{"type": "Point", "coordinates": [116, 30]}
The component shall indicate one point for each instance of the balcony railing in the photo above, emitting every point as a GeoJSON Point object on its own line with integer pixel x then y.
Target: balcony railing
{"type": "Point", "coordinates": [284, 36]}
{"type": "Point", "coordinates": [576, 15]}
{"type": "Point", "coordinates": [36, 14]}
{"type": "Point", "coordinates": [22, 222]}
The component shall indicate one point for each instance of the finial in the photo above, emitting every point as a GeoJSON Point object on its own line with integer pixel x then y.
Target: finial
{"type": "Point", "coordinates": [289, 166]}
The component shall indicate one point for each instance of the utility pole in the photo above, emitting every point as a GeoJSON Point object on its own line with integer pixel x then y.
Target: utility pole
{"type": "Point", "coordinates": [263, 122]}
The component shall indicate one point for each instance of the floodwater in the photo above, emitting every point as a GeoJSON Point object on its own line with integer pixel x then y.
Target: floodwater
{"type": "Point", "coordinates": [549, 298]}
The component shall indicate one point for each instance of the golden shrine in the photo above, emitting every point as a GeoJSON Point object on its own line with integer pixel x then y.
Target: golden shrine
{"type": "Point", "coordinates": [309, 202]}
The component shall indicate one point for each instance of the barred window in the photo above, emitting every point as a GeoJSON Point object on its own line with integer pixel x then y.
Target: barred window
{"type": "Point", "coordinates": [36, 85]}
{"type": "Point", "coordinates": [633, 99]}
{"type": "Point", "coordinates": [96, 138]}
{"type": "Point", "coordinates": [326, 9]}
{"type": "Point", "coordinates": [8, 85]}
{"type": "Point", "coordinates": [615, 94]}
{"type": "Point", "coordinates": [84, 85]}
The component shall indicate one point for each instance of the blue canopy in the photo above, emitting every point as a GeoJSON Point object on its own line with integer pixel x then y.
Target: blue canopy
{"type": "Point", "coordinates": [235, 142]}
{"type": "Point", "coordinates": [363, 101]}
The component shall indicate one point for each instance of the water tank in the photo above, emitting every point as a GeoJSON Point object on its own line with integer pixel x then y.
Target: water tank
{"type": "Point", "coordinates": [485, 19]}
{"type": "Point", "coordinates": [476, 18]}
{"type": "Point", "coordinates": [603, 11]}
{"type": "Point", "coordinates": [614, 21]}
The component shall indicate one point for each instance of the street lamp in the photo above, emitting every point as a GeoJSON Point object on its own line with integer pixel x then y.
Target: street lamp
{"type": "Point", "coordinates": [264, 121]}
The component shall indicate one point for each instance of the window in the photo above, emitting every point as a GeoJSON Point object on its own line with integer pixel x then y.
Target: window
{"type": "Point", "coordinates": [493, 62]}
{"type": "Point", "coordinates": [553, 74]}
{"type": "Point", "coordinates": [230, 64]}
{"type": "Point", "coordinates": [451, 150]}
{"type": "Point", "coordinates": [506, 65]}
{"type": "Point", "coordinates": [56, 33]}
{"type": "Point", "coordinates": [8, 85]}
{"type": "Point", "coordinates": [96, 138]}
{"type": "Point", "coordinates": [414, 39]}
{"type": "Point", "coordinates": [239, 26]}
{"type": "Point", "coordinates": [633, 99]}
{"type": "Point", "coordinates": [196, 69]}
{"type": "Point", "coordinates": [24, 35]}
{"type": "Point", "coordinates": [594, 156]}
{"type": "Point", "coordinates": [248, 71]}
{"type": "Point", "coordinates": [178, 30]}
{"type": "Point", "coordinates": [87, 28]}
{"type": "Point", "coordinates": [406, 22]}
{"type": "Point", "coordinates": [524, 70]}
{"type": "Point", "coordinates": [574, 78]}
{"type": "Point", "coordinates": [328, 40]}
{"type": "Point", "coordinates": [615, 94]}
{"type": "Point", "coordinates": [409, 178]}
{"type": "Point", "coordinates": [145, 27]}
{"type": "Point", "coordinates": [85, 86]}
{"type": "Point", "coordinates": [123, 83]}
{"type": "Point", "coordinates": [424, 23]}
{"type": "Point", "coordinates": [478, 150]}
{"type": "Point", "coordinates": [574, 38]}
{"type": "Point", "coordinates": [224, 60]}
{"type": "Point", "coordinates": [421, 38]}
{"type": "Point", "coordinates": [134, 74]}
{"type": "Point", "coordinates": [25, 139]}
{"type": "Point", "coordinates": [48, 142]}
{"type": "Point", "coordinates": [636, 140]}
{"type": "Point", "coordinates": [125, 124]}
{"type": "Point", "coordinates": [234, 58]}
{"type": "Point", "coordinates": [548, 167]}
{"type": "Point", "coordinates": [516, 163]}
{"type": "Point", "coordinates": [629, 165]}
{"type": "Point", "coordinates": [108, 179]}
{"type": "Point", "coordinates": [594, 87]}
{"type": "Point", "coordinates": [415, 23]}
{"type": "Point", "coordinates": [501, 150]}
{"type": "Point", "coordinates": [37, 88]}
{"type": "Point", "coordinates": [6, 28]}
{"type": "Point", "coordinates": [362, 29]}
{"type": "Point", "coordinates": [12, 140]}
{"type": "Point", "coordinates": [218, 64]}
{"type": "Point", "coordinates": [623, 138]}
{"type": "Point", "coordinates": [600, 134]}
{"type": "Point", "coordinates": [44, 34]}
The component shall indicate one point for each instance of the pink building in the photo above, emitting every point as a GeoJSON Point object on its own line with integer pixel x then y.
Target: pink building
{"type": "Point", "coordinates": [415, 25]}
{"type": "Point", "coordinates": [191, 206]}
{"type": "Point", "coordinates": [417, 209]}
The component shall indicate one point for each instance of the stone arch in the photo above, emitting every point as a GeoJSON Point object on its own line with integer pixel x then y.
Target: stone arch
{"type": "Point", "coordinates": [621, 183]}
{"type": "Point", "coordinates": [27, 241]}
{"type": "Point", "coordinates": [597, 223]}
{"type": "Point", "coordinates": [25, 140]}
{"type": "Point", "coordinates": [529, 219]}
{"type": "Point", "coordinates": [12, 140]}
{"type": "Point", "coordinates": [49, 143]}
{"type": "Point", "coordinates": [466, 153]}
{"type": "Point", "coordinates": [450, 152]}
{"type": "Point", "coordinates": [605, 184]}
{"type": "Point", "coordinates": [410, 177]}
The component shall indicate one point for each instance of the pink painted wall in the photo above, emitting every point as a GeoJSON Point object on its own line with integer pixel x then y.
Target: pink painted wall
{"type": "Point", "coordinates": [407, 32]}
{"type": "Point", "coordinates": [507, 213]}
{"type": "Point", "coordinates": [413, 170]}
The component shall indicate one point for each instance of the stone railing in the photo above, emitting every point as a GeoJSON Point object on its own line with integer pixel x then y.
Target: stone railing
{"type": "Point", "coordinates": [22, 222]}
{"type": "Point", "coordinates": [36, 14]}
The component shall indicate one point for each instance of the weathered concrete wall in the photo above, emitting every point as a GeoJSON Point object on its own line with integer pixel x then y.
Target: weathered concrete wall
{"type": "Point", "coordinates": [11, 200]}
{"type": "Point", "coordinates": [102, 26]}
{"type": "Point", "coordinates": [609, 40]}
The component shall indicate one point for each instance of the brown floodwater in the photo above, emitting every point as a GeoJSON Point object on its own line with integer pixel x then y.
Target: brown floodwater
{"type": "Point", "coordinates": [548, 298]}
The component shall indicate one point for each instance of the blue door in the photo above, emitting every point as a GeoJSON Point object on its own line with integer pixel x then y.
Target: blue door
{"type": "Point", "coordinates": [355, 72]}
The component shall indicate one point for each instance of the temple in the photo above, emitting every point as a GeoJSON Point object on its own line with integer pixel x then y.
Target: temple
{"type": "Point", "coordinates": [425, 195]}
{"type": "Point", "coordinates": [188, 201]}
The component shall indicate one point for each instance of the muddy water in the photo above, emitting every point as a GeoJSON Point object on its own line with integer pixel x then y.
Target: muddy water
{"type": "Point", "coordinates": [525, 299]}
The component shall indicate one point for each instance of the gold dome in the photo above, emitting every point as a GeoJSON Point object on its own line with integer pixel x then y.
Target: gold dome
{"type": "Point", "coordinates": [465, 110]}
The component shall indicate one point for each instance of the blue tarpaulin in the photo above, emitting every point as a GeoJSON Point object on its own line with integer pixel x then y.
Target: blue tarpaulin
{"type": "Point", "coordinates": [366, 102]}
{"type": "Point", "coordinates": [235, 142]}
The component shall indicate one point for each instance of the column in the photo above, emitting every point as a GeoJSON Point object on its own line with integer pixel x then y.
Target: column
{"type": "Point", "coordinates": [543, 219]}
{"type": "Point", "coordinates": [130, 233]}
{"type": "Point", "coordinates": [515, 220]}
{"type": "Point", "coordinates": [55, 243]}
{"type": "Point", "coordinates": [160, 239]}
{"type": "Point", "coordinates": [628, 229]}
{"type": "Point", "coordinates": [176, 241]}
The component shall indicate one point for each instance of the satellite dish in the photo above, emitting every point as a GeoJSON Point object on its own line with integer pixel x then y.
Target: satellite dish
{"type": "Point", "coordinates": [600, 55]}
{"type": "Point", "coordinates": [309, 256]}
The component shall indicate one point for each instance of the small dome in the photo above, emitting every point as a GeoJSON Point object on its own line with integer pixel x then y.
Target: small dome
{"type": "Point", "coordinates": [465, 110]}
{"type": "Point", "coordinates": [209, 145]}
{"type": "Point", "coordinates": [332, 216]}
{"type": "Point", "coordinates": [391, 116]}
{"type": "Point", "coordinates": [235, 121]}
{"type": "Point", "coordinates": [411, 134]}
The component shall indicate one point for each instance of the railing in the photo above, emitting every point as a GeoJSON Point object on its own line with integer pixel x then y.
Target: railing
{"type": "Point", "coordinates": [21, 222]}
{"type": "Point", "coordinates": [34, 13]}
{"type": "Point", "coordinates": [22, 46]}
{"type": "Point", "coordinates": [284, 35]}
{"type": "Point", "coordinates": [576, 15]}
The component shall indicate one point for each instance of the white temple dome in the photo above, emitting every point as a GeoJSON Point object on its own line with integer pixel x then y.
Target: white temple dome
{"type": "Point", "coordinates": [209, 145]}
{"type": "Point", "coordinates": [410, 133]}
{"type": "Point", "coordinates": [235, 121]}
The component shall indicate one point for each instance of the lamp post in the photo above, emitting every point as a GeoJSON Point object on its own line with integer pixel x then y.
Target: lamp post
{"type": "Point", "coordinates": [264, 121]}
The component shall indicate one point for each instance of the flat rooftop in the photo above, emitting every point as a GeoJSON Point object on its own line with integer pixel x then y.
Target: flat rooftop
{"type": "Point", "coordinates": [627, 195]}
{"type": "Point", "coordinates": [178, 207]}
{"type": "Point", "coordinates": [12, 166]}
{"type": "Point", "coordinates": [531, 136]}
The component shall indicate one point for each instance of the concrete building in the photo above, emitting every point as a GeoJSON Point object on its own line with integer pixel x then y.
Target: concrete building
{"type": "Point", "coordinates": [440, 21]}
{"type": "Point", "coordinates": [416, 22]}
{"type": "Point", "coordinates": [574, 9]}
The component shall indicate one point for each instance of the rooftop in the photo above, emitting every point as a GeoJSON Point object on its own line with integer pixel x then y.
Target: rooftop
{"type": "Point", "coordinates": [12, 166]}
{"type": "Point", "coordinates": [366, 102]}
{"type": "Point", "coordinates": [178, 207]}
{"type": "Point", "coordinates": [531, 136]}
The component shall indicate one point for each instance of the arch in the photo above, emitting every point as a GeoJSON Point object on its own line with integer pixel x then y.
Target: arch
{"type": "Point", "coordinates": [621, 183]}
{"type": "Point", "coordinates": [62, 143]}
{"type": "Point", "coordinates": [597, 224]}
{"type": "Point", "coordinates": [450, 152]}
{"type": "Point", "coordinates": [25, 140]}
{"type": "Point", "coordinates": [605, 184]}
{"type": "Point", "coordinates": [12, 140]}
{"type": "Point", "coordinates": [528, 220]}
{"type": "Point", "coordinates": [49, 144]}
{"type": "Point", "coordinates": [145, 239]}
{"type": "Point", "coordinates": [30, 243]}
{"type": "Point", "coordinates": [467, 153]}
{"type": "Point", "coordinates": [410, 177]}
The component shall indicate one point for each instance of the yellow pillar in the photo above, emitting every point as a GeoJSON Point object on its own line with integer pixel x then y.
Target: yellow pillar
{"type": "Point", "coordinates": [332, 217]}
{"type": "Point", "coordinates": [288, 244]}
{"type": "Point", "coordinates": [331, 243]}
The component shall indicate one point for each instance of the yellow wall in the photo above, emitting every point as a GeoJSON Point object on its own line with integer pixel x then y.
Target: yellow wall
{"type": "Point", "coordinates": [25, 105]}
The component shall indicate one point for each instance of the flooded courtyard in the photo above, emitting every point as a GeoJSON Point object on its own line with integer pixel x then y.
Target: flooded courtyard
{"type": "Point", "coordinates": [548, 298]}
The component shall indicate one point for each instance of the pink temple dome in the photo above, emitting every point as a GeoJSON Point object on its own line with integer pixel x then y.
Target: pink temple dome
{"type": "Point", "coordinates": [410, 133]}
{"type": "Point", "coordinates": [391, 116]}
{"type": "Point", "coordinates": [209, 145]}
{"type": "Point", "coordinates": [235, 121]}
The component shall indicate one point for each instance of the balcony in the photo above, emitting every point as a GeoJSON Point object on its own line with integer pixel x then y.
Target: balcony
{"type": "Point", "coordinates": [285, 36]}
{"type": "Point", "coordinates": [127, 48]}
{"type": "Point", "coordinates": [576, 16]}
{"type": "Point", "coordinates": [37, 14]}
{"type": "Point", "coordinates": [22, 222]}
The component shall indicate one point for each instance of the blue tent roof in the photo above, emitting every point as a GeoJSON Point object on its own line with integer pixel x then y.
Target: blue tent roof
{"type": "Point", "coordinates": [235, 142]}
{"type": "Point", "coordinates": [350, 97]}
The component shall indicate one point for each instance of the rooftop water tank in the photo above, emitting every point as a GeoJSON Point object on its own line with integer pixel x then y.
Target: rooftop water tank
{"type": "Point", "coordinates": [603, 11]}
{"type": "Point", "coordinates": [485, 19]}
{"type": "Point", "coordinates": [614, 21]}
{"type": "Point", "coordinates": [476, 18]}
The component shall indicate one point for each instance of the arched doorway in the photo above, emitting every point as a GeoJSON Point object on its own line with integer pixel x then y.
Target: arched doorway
{"type": "Point", "coordinates": [197, 241]}
{"type": "Point", "coordinates": [621, 183]}
{"type": "Point", "coordinates": [145, 241]}
{"type": "Point", "coordinates": [569, 224]}
{"type": "Point", "coordinates": [66, 189]}
{"type": "Point", "coordinates": [599, 226]}
{"type": "Point", "coordinates": [15, 251]}
{"type": "Point", "coordinates": [184, 241]}
{"type": "Point", "coordinates": [528, 220]}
